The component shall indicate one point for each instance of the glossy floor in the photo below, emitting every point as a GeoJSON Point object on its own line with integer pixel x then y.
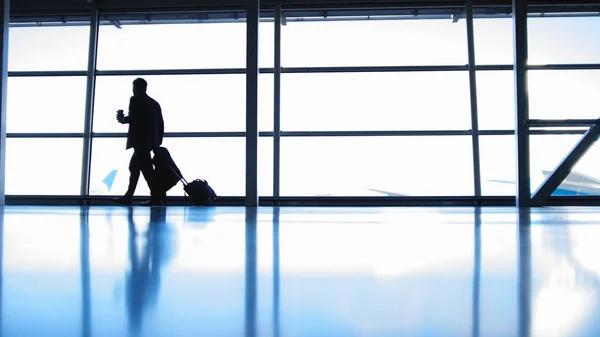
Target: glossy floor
{"type": "Point", "coordinates": [232, 271]}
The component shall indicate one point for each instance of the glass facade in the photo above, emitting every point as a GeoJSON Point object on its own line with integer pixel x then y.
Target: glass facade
{"type": "Point", "coordinates": [43, 166]}
{"type": "Point", "coordinates": [352, 130]}
{"type": "Point", "coordinates": [178, 46]}
{"type": "Point", "coordinates": [48, 48]}
{"type": "Point", "coordinates": [375, 101]}
{"type": "Point", "coordinates": [374, 43]}
{"type": "Point", "coordinates": [46, 104]}
{"type": "Point", "coordinates": [372, 166]}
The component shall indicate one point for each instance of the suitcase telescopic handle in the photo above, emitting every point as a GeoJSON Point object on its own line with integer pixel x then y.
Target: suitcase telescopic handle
{"type": "Point", "coordinates": [180, 176]}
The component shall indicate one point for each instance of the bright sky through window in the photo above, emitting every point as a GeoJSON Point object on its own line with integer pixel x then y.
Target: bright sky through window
{"type": "Point", "coordinates": [310, 102]}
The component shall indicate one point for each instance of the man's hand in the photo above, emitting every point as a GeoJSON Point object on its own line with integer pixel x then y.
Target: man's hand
{"type": "Point", "coordinates": [120, 116]}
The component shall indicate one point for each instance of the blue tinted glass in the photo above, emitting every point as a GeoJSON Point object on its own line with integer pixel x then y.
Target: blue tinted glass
{"type": "Point", "coordinates": [563, 40]}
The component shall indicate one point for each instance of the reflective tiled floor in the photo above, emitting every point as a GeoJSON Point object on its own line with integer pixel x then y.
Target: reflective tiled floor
{"type": "Point", "coordinates": [232, 271]}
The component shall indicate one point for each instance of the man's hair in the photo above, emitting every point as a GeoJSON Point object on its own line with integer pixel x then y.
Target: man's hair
{"type": "Point", "coordinates": [140, 83]}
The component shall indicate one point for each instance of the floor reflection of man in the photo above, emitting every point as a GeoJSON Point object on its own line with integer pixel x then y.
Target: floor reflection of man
{"type": "Point", "coordinates": [148, 252]}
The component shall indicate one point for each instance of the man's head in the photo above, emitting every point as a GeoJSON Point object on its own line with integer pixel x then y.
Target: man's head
{"type": "Point", "coordinates": [139, 86]}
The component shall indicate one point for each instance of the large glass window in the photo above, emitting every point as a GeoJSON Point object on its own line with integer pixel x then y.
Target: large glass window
{"type": "Point", "coordinates": [498, 165]}
{"type": "Point", "coordinates": [171, 46]}
{"type": "Point", "coordinates": [375, 101]}
{"type": "Point", "coordinates": [563, 40]}
{"type": "Point", "coordinates": [495, 100]}
{"type": "Point", "coordinates": [190, 103]}
{"type": "Point", "coordinates": [546, 152]}
{"type": "Point", "coordinates": [584, 178]}
{"type": "Point", "coordinates": [493, 40]}
{"type": "Point", "coordinates": [46, 104]}
{"type": "Point", "coordinates": [48, 48]}
{"type": "Point", "coordinates": [220, 161]}
{"type": "Point", "coordinates": [376, 166]}
{"type": "Point", "coordinates": [123, 46]}
{"type": "Point", "coordinates": [564, 94]}
{"type": "Point", "coordinates": [374, 43]}
{"type": "Point", "coordinates": [43, 166]}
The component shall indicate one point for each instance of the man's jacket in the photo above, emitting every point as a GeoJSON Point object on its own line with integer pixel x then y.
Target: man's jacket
{"type": "Point", "coordinates": [146, 125]}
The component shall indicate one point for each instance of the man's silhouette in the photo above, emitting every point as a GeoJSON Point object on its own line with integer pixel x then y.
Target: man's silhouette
{"type": "Point", "coordinates": [146, 130]}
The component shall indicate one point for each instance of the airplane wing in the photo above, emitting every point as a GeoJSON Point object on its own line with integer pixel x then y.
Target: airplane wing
{"type": "Point", "coordinates": [387, 193]}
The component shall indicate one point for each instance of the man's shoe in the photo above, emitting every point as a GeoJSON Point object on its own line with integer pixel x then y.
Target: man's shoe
{"type": "Point", "coordinates": [152, 202]}
{"type": "Point", "coordinates": [126, 201]}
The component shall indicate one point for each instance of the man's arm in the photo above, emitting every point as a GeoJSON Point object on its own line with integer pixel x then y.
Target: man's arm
{"type": "Point", "coordinates": [121, 117]}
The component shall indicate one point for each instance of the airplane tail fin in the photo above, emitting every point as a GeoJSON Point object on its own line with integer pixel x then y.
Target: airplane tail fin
{"type": "Point", "coordinates": [109, 179]}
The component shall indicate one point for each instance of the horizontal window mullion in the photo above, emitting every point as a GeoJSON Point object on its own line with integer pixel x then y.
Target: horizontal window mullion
{"type": "Point", "coordinates": [375, 69]}
{"type": "Point", "coordinates": [44, 135]}
{"type": "Point", "coordinates": [562, 122]}
{"type": "Point", "coordinates": [531, 132]}
{"type": "Point", "coordinates": [177, 134]}
{"type": "Point", "coordinates": [49, 73]}
{"type": "Point", "coordinates": [581, 66]}
{"type": "Point", "coordinates": [221, 71]}
{"type": "Point", "coordinates": [375, 133]}
{"type": "Point", "coordinates": [233, 134]}
{"type": "Point", "coordinates": [557, 132]}
{"type": "Point", "coordinates": [485, 67]}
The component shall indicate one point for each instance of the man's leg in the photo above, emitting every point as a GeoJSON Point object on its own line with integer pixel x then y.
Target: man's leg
{"type": "Point", "coordinates": [151, 178]}
{"type": "Point", "coordinates": [134, 173]}
{"type": "Point", "coordinates": [134, 176]}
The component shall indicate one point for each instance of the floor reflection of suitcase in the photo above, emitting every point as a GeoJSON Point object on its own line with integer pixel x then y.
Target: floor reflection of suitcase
{"type": "Point", "coordinates": [199, 191]}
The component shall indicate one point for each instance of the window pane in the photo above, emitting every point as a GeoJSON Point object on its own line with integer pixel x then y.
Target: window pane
{"type": "Point", "coordinates": [190, 103]}
{"type": "Point", "coordinates": [179, 46]}
{"type": "Point", "coordinates": [48, 48]}
{"type": "Point", "coordinates": [109, 171]}
{"type": "Point", "coordinates": [376, 101]}
{"type": "Point", "coordinates": [365, 166]}
{"type": "Point", "coordinates": [43, 166]}
{"type": "Point", "coordinates": [498, 165]}
{"type": "Point", "coordinates": [495, 100]}
{"type": "Point", "coordinates": [493, 40]}
{"type": "Point", "coordinates": [547, 151]}
{"type": "Point", "coordinates": [374, 43]}
{"type": "Point", "coordinates": [46, 104]}
{"type": "Point", "coordinates": [564, 94]}
{"type": "Point", "coordinates": [563, 40]}
{"type": "Point", "coordinates": [220, 161]}
{"type": "Point", "coordinates": [584, 179]}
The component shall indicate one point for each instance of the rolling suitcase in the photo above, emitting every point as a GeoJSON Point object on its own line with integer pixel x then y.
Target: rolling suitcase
{"type": "Point", "coordinates": [165, 169]}
{"type": "Point", "coordinates": [198, 191]}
